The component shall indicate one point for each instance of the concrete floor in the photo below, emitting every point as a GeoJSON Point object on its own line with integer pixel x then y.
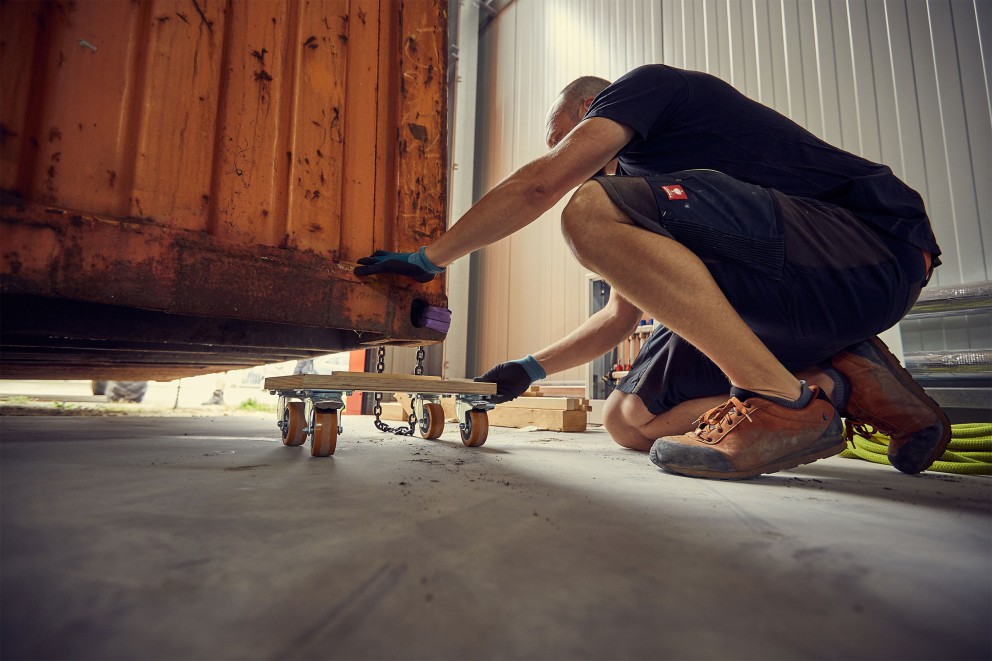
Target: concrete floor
{"type": "Point", "coordinates": [205, 538]}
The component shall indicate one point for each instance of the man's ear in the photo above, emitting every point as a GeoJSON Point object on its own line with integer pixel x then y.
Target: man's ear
{"type": "Point", "coordinates": [584, 108]}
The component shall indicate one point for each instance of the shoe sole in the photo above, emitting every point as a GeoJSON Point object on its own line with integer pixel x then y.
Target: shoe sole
{"type": "Point", "coordinates": [780, 465]}
{"type": "Point", "coordinates": [907, 380]}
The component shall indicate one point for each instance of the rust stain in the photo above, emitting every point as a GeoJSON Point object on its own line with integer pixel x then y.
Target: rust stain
{"type": "Point", "coordinates": [203, 17]}
{"type": "Point", "coordinates": [418, 131]}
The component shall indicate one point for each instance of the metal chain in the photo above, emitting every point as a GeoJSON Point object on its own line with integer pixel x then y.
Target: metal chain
{"type": "Point", "coordinates": [380, 367]}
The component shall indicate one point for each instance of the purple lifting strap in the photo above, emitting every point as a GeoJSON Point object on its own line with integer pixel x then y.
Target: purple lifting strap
{"type": "Point", "coordinates": [436, 318]}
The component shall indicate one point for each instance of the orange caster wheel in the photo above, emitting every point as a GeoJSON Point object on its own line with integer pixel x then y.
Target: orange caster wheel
{"type": "Point", "coordinates": [294, 428]}
{"type": "Point", "coordinates": [475, 429]}
{"type": "Point", "coordinates": [432, 423]}
{"type": "Point", "coordinates": [324, 435]}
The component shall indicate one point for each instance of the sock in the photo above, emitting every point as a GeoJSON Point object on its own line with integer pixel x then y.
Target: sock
{"type": "Point", "coordinates": [805, 397]}
{"type": "Point", "coordinates": [842, 387]}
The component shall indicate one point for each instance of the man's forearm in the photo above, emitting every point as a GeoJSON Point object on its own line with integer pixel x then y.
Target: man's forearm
{"type": "Point", "coordinates": [598, 334]}
{"type": "Point", "coordinates": [513, 204]}
{"type": "Point", "coordinates": [519, 199]}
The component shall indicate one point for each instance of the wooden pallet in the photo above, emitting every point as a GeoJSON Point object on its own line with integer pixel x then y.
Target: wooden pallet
{"type": "Point", "coordinates": [372, 382]}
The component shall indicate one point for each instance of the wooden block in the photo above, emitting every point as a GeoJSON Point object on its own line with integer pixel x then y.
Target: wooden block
{"type": "Point", "coordinates": [533, 391]}
{"type": "Point", "coordinates": [447, 403]}
{"type": "Point", "coordinates": [394, 411]}
{"type": "Point", "coordinates": [550, 419]}
{"type": "Point", "coordinates": [450, 414]}
{"type": "Point", "coordinates": [558, 403]}
{"type": "Point", "coordinates": [563, 391]}
{"type": "Point", "coordinates": [405, 402]}
{"type": "Point", "coordinates": [366, 382]}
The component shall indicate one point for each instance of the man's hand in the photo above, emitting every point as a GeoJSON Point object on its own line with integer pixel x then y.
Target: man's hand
{"type": "Point", "coordinates": [411, 264]}
{"type": "Point", "coordinates": [513, 378]}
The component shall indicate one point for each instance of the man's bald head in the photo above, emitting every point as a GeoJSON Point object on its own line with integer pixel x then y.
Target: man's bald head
{"type": "Point", "coordinates": [571, 105]}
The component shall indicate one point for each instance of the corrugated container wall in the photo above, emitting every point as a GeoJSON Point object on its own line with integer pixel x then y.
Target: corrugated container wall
{"type": "Point", "coordinates": [903, 82]}
{"type": "Point", "coordinates": [188, 183]}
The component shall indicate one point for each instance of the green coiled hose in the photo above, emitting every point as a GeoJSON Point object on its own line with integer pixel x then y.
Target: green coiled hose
{"type": "Point", "coordinates": [968, 453]}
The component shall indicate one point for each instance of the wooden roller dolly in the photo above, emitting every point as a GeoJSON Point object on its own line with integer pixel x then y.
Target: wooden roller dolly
{"type": "Point", "coordinates": [310, 405]}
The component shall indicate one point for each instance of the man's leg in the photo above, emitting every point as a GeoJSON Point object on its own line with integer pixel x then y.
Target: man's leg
{"type": "Point", "coordinates": [633, 426]}
{"type": "Point", "coordinates": [668, 387]}
{"type": "Point", "coordinates": [786, 425]}
{"type": "Point", "coordinates": [668, 281]}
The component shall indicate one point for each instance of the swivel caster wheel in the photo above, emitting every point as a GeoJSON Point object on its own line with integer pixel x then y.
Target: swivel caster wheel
{"type": "Point", "coordinates": [293, 424]}
{"type": "Point", "coordinates": [324, 433]}
{"type": "Point", "coordinates": [475, 429]}
{"type": "Point", "coordinates": [431, 424]}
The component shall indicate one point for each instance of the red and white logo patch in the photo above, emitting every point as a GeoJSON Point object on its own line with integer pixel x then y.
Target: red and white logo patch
{"type": "Point", "coordinates": [675, 192]}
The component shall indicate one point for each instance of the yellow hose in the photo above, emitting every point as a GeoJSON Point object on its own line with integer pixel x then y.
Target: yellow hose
{"type": "Point", "coordinates": [969, 452]}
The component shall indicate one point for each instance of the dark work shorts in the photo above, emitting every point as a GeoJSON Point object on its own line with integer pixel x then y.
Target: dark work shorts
{"type": "Point", "coordinates": [809, 278]}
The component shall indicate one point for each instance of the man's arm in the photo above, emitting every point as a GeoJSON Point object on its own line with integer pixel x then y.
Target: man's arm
{"type": "Point", "coordinates": [597, 335]}
{"type": "Point", "coordinates": [533, 189]}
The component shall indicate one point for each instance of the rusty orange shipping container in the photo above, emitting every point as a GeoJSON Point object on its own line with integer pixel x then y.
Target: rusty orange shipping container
{"type": "Point", "coordinates": [187, 184]}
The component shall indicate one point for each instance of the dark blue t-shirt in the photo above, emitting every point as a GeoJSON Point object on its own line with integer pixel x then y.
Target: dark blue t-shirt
{"type": "Point", "coordinates": [687, 120]}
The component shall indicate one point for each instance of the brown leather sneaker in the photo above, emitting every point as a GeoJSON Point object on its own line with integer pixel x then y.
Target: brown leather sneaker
{"type": "Point", "coordinates": [742, 439]}
{"type": "Point", "coordinates": [885, 397]}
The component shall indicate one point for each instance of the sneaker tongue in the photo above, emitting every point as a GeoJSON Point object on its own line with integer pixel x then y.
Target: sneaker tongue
{"type": "Point", "coordinates": [800, 403]}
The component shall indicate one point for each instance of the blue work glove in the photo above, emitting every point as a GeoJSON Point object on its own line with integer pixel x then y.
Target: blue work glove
{"type": "Point", "coordinates": [411, 264]}
{"type": "Point", "coordinates": [513, 378]}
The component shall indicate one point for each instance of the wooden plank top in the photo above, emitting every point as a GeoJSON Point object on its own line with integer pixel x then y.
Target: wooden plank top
{"type": "Point", "coordinates": [371, 382]}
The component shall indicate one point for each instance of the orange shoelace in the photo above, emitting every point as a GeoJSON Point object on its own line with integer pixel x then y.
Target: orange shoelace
{"type": "Point", "coordinates": [862, 429]}
{"type": "Point", "coordinates": [719, 416]}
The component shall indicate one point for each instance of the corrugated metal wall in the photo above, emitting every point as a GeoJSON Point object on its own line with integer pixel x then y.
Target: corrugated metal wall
{"type": "Point", "coordinates": [903, 82]}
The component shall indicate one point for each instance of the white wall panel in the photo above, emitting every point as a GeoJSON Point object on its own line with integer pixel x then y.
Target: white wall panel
{"type": "Point", "coordinates": [903, 82]}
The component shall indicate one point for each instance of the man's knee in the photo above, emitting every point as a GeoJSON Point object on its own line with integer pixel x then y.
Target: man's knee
{"type": "Point", "coordinates": [587, 211]}
{"type": "Point", "coordinates": [623, 414]}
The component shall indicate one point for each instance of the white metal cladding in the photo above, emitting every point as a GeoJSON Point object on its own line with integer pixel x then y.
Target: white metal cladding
{"type": "Point", "coordinates": [902, 82]}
